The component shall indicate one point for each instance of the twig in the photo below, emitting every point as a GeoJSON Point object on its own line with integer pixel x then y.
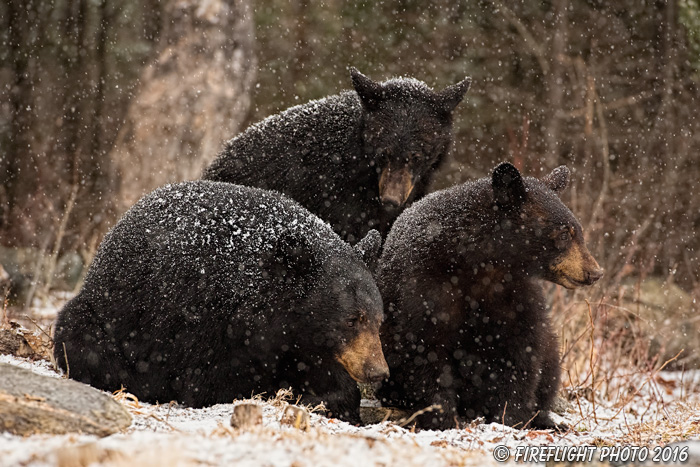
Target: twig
{"type": "Point", "coordinates": [605, 149]}
{"type": "Point", "coordinates": [33, 321]}
{"type": "Point", "coordinates": [51, 267]}
{"type": "Point", "coordinates": [503, 416]}
{"type": "Point", "coordinates": [420, 412]}
{"type": "Point", "coordinates": [531, 419]}
{"type": "Point", "coordinates": [592, 365]}
{"type": "Point", "coordinates": [156, 417]}
{"type": "Point", "coordinates": [636, 393]}
{"type": "Point", "coordinates": [5, 320]}
{"type": "Point", "coordinates": [65, 356]}
{"type": "Point", "coordinates": [578, 402]}
{"type": "Point", "coordinates": [38, 266]}
{"type": "Point", "coordinates": [386, 416]}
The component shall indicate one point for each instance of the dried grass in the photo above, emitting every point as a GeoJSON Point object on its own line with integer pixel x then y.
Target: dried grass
{"type": "Point", "coordinates": [608, 360]}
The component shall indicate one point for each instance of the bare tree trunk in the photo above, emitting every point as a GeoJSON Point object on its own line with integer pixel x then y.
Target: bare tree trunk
{"type": "Point", "coordinates": [194, 95]}
{"type": "Point", "coordinates": [18, 162]}
{"type": "Point", "coordinates": [555, 83]}
{"type": "Point", "coordinates": [301, 49]}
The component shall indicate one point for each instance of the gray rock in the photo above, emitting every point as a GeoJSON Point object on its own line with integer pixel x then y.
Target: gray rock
{"type": "Point", "coordinates": [246, 416]}
{"type": "Point", "coordinates": [14, 343]}
{"type": "Point", "coordinates": [32, 403]}
{"type": "Point", "coordinates": [21, 342]}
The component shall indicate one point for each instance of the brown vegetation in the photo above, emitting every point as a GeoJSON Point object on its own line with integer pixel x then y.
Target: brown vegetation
{"type": "Point", "coordinates": [610, 89]}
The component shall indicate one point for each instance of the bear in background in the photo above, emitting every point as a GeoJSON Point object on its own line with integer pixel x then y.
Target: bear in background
{"type": "Point", "coordinates": [205, 292]}
{"type": "Point", "coordinates": [466, 321]}
{"type": "Point", "coordinates": [354, 159]}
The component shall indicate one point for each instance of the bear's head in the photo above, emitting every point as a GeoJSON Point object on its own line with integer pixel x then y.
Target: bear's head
{"type": "Point", "coordinates": [407, 130]}
{"type": "Point", "coordinates": [543, 233]}
{"type": "Point", "coordinates": [336, 304]}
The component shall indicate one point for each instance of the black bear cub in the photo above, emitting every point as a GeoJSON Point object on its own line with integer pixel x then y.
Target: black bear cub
{"type": "Point", "coordinates": [205, 292]}
{"type": "Point", "coordinates": [467, 326]}
{"type": "Point", "coordinates": [354, 159]}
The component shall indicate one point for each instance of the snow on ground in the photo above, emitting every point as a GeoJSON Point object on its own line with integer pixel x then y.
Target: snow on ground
{"type": "Point", "coordinates": [655, 408]}
{"type": "Point", "coordinates": [173, 435]}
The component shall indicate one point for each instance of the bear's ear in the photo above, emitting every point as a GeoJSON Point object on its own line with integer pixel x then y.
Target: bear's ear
{"type": "Point", "coordinates": [370, 92]}
{"type": "Point", "coordinates": [558, 179]}
{"type": "Point", "coordinates": [368, 249]}
{"type": "Point", "coordinates": [451, 96]}
{"type": "Point", "coordinates": [292, 258]}
{"type": "Point", "coordinates": [508, 186]}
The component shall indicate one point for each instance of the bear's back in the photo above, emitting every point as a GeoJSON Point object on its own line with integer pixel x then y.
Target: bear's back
{"type": "Point", "coordinates": [277, 152]}
{"type": "Point", "coordinates": [198, 233]}
{"type": "Point", "coordinates": [423, 238]}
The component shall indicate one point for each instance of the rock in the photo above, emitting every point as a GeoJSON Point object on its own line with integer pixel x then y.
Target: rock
{"type": "Point", "coordinates": [31, 403]}
{"type": "Point", "coordinates": [297, 417]}
{"type": "Point", "coordinates": [20, 342]}
{"type": "Point", "coordinates": [561, 405]}
{"type": "Point", "coordinates": [246, 416]}
{"type": "Point", "coordinates": [14, 343]}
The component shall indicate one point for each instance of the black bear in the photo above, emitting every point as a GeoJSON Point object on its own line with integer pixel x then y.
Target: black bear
{"type": "Point", "coordinates": [207, 291]}
{"type": "Point", "coordinates": [353, 159]}
{"type": "Point", "coordinates": [466, 322]}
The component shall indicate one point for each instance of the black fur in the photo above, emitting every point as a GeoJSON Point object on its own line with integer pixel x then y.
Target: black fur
{"type": "Point", "coordinates": [205, 292]}
{"type": "Point", "coordinates": [329, 154]}
{"type": "Point", "coordinates": [467, 326]}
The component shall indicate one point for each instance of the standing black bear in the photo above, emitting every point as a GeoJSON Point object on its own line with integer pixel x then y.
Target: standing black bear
{"type": "Point", "coordinates": [354, 159]}
{"type": "Point", "coordinates": [467, 326]}
{"type": "Point", "coordinates": [206, 291]}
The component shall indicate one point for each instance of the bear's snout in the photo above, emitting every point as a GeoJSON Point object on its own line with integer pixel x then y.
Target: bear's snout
{"type": "Point", "coordinates": [363, 358]}
{"type": "Point", "coordinates": [577, 268]}
{"type": "Point", "coordinates": [592, 276]}
{"type": "Point", "coordinates": [377, 373]}
{"type": "Point", "coordinates": [395, 186]}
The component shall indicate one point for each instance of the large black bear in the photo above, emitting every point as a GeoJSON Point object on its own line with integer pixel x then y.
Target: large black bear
{"type": "Point", "coordinates": [467, 326]}
{"type": "Point", "coordinates": [353, 159]}
{"type": "Point", "coordinates": [206, 291]}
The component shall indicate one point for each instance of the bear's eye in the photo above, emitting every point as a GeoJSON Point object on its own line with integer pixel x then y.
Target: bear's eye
{"type": "Point", "coordinates": [565, 236]}
{"type": "Point", "coordinates": [351, 322]}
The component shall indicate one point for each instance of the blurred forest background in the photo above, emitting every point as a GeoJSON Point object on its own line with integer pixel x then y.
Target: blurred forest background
{"type": "Point", "coordinates": [102, 100]}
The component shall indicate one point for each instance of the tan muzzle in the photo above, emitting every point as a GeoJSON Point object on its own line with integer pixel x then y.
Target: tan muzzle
{"type": "Point", "coordinates": [578, 268]}
{"type": "Point", "coordinates": [395, 186]}
{"type": "Point", "coordinates": [363, 358]}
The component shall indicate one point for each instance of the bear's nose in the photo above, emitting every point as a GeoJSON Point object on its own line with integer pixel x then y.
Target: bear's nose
{"type": "Point", "coordinates": [391, 201]}
{"type": "Point", "coordinates": [594, 275]}
{"type": "Point", "coordinates": [376, 374]}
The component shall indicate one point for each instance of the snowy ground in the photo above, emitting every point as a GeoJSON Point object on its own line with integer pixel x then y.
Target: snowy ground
{"type": "Point", "coordinates": [647, 409]}
{"type": "Point", "coordinates": [172, 435]}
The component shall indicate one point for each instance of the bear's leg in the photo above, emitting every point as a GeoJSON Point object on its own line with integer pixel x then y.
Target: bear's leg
{"type": "Point", "coordinates": [341, 399]}
{"type": "Point", "coordinates": [82, 348]}
{"type": "Point", "coordinates": [500, 391]}
{"type": "Point", "coordinates": [548, 385]}
{"type": "Point", "coordinates": [433, 386]}
{"type": "Point", "coordinates": [444, 418]}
